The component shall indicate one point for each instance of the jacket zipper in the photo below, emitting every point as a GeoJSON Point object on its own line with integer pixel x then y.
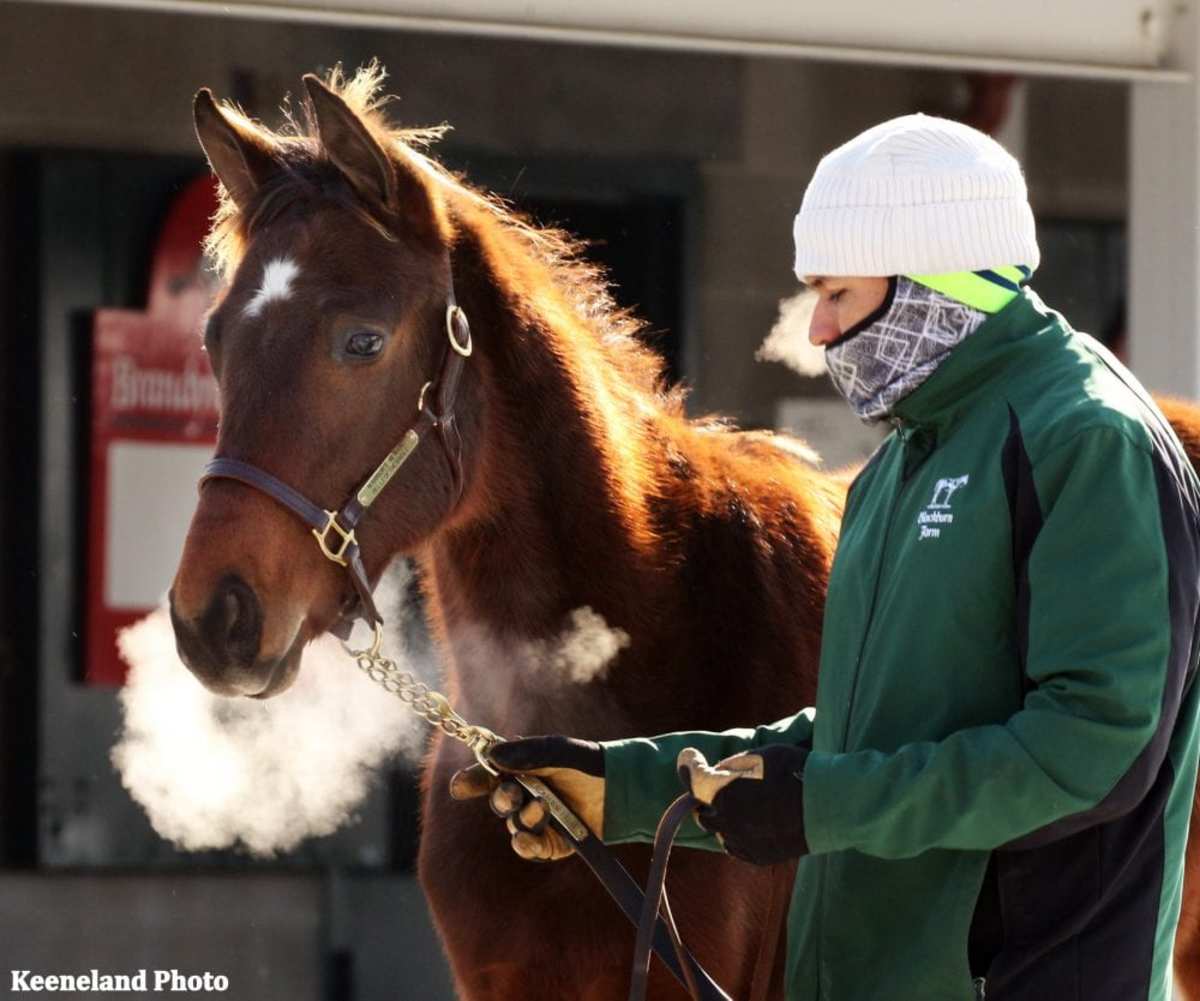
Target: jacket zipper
{"type": "Point", "coordinates": [905, 434]}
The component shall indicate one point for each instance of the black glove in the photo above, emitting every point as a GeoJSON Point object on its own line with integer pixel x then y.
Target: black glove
{"type": "Point", "coordinates": [754, 801]}
{"type": "Point", "coordinates": [573, 768]}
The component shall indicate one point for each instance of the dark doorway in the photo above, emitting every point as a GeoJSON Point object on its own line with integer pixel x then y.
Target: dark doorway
{"type": "Point", "coordinates": [639, 242]}
{"type": "Point", "coordinates": [633, 216]}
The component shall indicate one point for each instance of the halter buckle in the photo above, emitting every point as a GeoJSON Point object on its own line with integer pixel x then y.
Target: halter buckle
{"type": "Point", "coordinates": [338, 555]}
{"type": "Point", "coordinates": [456, 317]}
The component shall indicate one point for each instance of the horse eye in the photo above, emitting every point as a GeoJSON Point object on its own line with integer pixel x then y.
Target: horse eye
{"type": "Point", "coordinates": [364, 344]}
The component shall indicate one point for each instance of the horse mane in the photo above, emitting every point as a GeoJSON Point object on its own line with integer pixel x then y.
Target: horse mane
{"type": "Point", "coordinates": [653, 451]}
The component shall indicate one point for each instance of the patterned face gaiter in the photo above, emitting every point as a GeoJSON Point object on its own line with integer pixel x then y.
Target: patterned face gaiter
{"type": "Point", "coordinates": [891, 352]}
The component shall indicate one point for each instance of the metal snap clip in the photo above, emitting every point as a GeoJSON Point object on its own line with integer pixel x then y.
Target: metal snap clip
{"type": "Point", "coordinates": [454, 314]}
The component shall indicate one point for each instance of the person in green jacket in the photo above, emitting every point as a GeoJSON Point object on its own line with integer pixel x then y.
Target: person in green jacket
{"type": "Point", "coordinates": [992, 792]}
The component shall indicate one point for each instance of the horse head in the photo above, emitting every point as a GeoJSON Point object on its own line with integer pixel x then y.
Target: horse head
{"type": "Point", "coordinates": [331, 325]}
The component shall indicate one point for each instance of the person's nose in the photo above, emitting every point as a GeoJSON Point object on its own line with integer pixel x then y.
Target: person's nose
{"type": "Point", "coordinates": [823, 328]}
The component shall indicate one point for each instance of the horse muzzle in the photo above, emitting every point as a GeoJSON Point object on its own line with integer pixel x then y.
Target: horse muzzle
{"type": "Point", "coordinates": [222, 645]}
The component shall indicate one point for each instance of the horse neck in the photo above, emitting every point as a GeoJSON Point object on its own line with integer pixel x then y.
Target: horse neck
{"type": "Point", "coordinates": [555, 542]}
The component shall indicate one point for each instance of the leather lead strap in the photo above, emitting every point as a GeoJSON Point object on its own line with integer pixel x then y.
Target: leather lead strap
{"type": "Point", "coordinates": [699, 984]}
{"type": "Point", "coordinates": [656, 912]}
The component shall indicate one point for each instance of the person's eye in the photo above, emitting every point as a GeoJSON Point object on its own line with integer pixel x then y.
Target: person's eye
{"type": "Point", "coordinates": [836, 296]}
{"type": "Point", "coordinates": [364, 344]}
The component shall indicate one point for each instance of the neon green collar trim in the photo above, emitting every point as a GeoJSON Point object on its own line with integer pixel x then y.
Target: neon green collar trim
{"type": "Point", "coordinates": [989, 290]}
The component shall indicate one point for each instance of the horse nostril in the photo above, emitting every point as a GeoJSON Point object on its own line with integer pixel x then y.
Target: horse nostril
{"type": "Point", "coordinates": [233, 622]}
{"type": "Point", "coordinates": [235, 610]}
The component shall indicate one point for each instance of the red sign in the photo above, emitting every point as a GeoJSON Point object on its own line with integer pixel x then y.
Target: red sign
{"type": "Point", "coordinates": [154, 424]}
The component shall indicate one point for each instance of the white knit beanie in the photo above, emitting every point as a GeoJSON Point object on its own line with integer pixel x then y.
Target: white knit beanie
{"type": "Point", "coordinates": [916, 195]}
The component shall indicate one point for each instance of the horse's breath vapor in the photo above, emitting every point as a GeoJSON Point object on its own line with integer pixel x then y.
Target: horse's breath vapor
{"type": "Point", "coordinates": [215, 772]}
{"type": "Point", "coordinates": [585, 650]}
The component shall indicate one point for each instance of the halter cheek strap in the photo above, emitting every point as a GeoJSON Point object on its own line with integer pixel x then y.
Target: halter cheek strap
{"type": "Point", "coordinates": [334, 531]}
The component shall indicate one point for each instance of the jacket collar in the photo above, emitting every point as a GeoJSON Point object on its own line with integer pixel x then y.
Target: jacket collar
{"type": "Point", "coordinates": [969, 368]}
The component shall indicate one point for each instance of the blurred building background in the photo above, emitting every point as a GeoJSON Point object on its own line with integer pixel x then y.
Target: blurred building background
{"type": "Point", "coordinates": [680, 148]}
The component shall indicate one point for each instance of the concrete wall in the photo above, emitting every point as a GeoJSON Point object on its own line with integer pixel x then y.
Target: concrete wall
{"type": "Point", "coordinates": [116, 79]}
{"type": "Point", "coordinates": [294, 936]}
{"type": "Point", "coordinates": [791, 114]}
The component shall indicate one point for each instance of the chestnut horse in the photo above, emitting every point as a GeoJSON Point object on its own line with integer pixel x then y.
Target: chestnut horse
{"type": "Point", "coordinates": [576, 482]}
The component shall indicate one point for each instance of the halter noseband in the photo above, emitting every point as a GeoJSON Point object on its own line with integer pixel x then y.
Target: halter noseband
{"type": "Point", "coordinates": [344, 548]}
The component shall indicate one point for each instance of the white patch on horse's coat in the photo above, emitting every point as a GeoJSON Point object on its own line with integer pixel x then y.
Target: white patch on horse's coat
{"type": "Point", "coordinates": [276, 284]}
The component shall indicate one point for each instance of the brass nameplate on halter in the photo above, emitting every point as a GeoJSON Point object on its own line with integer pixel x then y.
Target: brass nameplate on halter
{"type": "Point", "coordinates": [554, 806]}
{"type": "Point", "coordinates": [387, 469]}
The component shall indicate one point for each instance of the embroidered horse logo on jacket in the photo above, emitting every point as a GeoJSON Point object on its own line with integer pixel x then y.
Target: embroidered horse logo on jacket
{"type": "Point", "coordinates": [945, 489]}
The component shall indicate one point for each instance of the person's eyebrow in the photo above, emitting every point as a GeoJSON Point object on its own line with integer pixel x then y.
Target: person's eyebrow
{"type": "Point", "coordinates": [813, 283]}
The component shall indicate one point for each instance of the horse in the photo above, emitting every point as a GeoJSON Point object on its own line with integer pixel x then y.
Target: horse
{"type": "Point", "coordinates": [575, 482]}
{"type": "Point", "coordinates": [567, 481]}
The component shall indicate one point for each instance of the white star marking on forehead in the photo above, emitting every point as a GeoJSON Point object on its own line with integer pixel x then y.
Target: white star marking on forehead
{"type": "Point", "coordinates": [276, 284]}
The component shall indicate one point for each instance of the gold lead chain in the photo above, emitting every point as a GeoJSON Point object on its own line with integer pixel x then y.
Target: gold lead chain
{"type": "Point", "coordinates": [432, 706]}
{"type": "Point", "coordinates": [435, 709]}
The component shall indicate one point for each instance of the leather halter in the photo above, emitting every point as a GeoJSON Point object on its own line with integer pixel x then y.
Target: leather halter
{"type": "Point", "coordinates": [335, 530]}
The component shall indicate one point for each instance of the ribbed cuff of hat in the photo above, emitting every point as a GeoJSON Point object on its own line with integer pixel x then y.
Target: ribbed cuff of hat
{"type": "Point", "coordinates": [880, 240]}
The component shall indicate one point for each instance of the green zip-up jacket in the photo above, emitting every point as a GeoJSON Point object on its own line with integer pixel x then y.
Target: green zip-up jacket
{"type": "Point", "coordinates": [1003, 744]}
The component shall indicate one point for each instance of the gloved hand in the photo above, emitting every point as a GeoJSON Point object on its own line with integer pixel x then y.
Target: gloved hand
{"type": "Point", "coordinates": [754, 800]}
{"type": "Point", "coordinates": [573, 768]}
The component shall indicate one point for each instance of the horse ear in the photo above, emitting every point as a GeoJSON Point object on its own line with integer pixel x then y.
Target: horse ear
{"type": "Point", "coordinates": [240, 156]}
{"type": "Point", "coordinates": [383, 181]}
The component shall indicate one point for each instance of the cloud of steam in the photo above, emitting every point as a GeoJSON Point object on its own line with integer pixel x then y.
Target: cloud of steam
{"type": "Point", "coordinates": [496, 670]}
{"type": "Point", "coordinates": [788, 343]}
{"type": "Point", "coordinates": [214, 772]}
{"type": "Point", "coordinates": [584, 651]}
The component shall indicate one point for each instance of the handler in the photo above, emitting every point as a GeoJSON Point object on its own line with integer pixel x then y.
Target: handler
{"type": "Point", "coordinates": [993, 790]}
